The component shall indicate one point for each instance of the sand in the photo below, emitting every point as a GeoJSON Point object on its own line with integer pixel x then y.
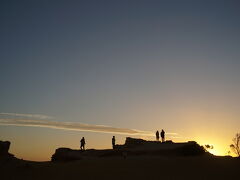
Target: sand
{"type": "Point", "coordinates": [200, 167]}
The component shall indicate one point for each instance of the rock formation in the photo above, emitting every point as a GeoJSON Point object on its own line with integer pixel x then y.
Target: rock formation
{"type": "Point", "coordinates": [4, 147]}
{"type": "Point", "coordinates": [132, 147]}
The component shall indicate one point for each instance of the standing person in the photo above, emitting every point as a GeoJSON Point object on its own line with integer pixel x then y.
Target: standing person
{"type": "Point", "coordinates": [113, 142]}
{"type": "Point", "coordinates": [163, 135]}
{"type": "Point", "coordinates": [82, 142]}
{"type": "Point", "coordinates": [157, 135]}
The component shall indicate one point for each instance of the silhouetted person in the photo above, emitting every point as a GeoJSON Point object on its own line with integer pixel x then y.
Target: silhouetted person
{"type": "Point", "coordinates": [157, 136]}
{"type": "Point", "coordinates": [113, 142]}
{"type": "Point", "coordinates": [82, 142]}
{"type": "Point", "coordinates": [163, 135]}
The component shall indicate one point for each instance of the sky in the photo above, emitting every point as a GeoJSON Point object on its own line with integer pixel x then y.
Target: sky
{"type": "Point", "coordinates": [70, 69]}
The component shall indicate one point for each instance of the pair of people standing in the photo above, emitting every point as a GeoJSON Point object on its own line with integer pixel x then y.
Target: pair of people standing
{"type": "Point", "coordinates": [162, 135]}
{"type": "Point", "coordinates": [82, 143]}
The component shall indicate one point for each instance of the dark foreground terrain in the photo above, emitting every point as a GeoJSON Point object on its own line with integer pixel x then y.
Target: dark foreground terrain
{"type": "Point", "coordinates": [199, 167]}
{"type": "Point", "coordinates": [136, 159]}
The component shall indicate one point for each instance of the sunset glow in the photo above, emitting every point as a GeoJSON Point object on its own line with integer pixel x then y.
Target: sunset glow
{"type": "Point", "coordinates": [99, 69]}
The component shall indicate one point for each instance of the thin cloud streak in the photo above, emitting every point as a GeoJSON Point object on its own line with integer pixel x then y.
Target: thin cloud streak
{"type": "Point", "coordinates": [75, 126]}
{"type": "Point", "coordinates": [40, 120]}
{"type": "Point", "coordinates": [20, 115]}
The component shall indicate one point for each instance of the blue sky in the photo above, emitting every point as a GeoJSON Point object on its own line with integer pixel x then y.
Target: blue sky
{"type": "Point", "coordinates": [142, 65]}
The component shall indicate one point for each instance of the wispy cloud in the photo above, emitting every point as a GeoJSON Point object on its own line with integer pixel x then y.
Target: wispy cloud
{"type": "Point", "coordinates": [41, 121]}
{"type": "Point", "coordinates": [73, 126]}
{"type": "Point", "coordinates": [19, 115]}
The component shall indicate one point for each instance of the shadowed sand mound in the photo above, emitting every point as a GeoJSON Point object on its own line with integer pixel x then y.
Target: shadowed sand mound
{"type": "Point", "coordinates": [109, 164]}
{"type": "Point", "coordinates": [133, 147]}
{"type": "Point", "coordinates": [117, 168]}
{"type": "Point", "coordinates": [4, 148]}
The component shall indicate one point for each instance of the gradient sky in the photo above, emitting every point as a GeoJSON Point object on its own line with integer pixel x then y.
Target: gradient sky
{"type": "Point", "coordinates": [135, 65]}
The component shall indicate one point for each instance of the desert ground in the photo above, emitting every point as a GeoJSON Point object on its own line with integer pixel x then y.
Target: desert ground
{"type": "Point", "coordinates": [198, 167]}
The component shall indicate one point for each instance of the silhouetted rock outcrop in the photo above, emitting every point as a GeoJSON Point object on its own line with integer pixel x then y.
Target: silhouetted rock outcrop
{"type": "Point", "coordinates": [4, 147]}
{"type": "Point", "coordinates": [190, 149]}
{"type": "Point", "coordinates": [66, 154]}
{"type": "Point", "coordinates": [133, 147]}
